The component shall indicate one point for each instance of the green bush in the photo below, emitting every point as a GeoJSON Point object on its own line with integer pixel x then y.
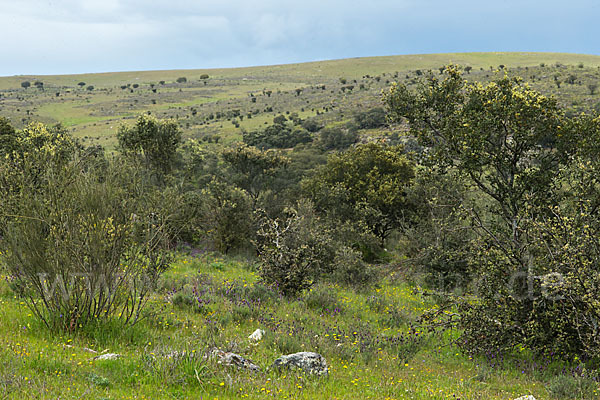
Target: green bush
{"type": "Point", "coordinates": [350, 269]}
{"type": "Point", "coordinates": [294, 251]}
{"type": "Point", "coordinates": [337, 138]}
{"type": "Point", "coordinates": [227, 216]}
{"type": "Point", "coordinates": [83, 244]}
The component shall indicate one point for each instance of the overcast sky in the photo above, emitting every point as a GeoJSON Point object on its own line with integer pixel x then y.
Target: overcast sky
{"type": "Point", "coordinates": [77, 36]}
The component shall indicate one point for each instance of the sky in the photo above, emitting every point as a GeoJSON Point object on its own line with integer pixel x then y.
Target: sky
{"type": "Point", "coordinates": [78, 36]}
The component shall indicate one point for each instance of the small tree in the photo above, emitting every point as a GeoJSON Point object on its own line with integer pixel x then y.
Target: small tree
{"type": "Point", "coordinates": [154, 141]}
{"type": "Point", "coordinates": [81, 84]}
{"type": "Point", "coordinates": [25, 84]}
{"type": "Point", "coordinates": [181, 79]}
{"type": "Point", "coordinates": [253, 169]}
{"type": "Point", "coordinates": [592, 88]}
{"type": "Point", "coordinates": [367, 183]}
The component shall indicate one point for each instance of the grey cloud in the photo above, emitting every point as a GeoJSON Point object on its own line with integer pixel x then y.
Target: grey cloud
{"type": "Point", "coordinates": [52, 36]}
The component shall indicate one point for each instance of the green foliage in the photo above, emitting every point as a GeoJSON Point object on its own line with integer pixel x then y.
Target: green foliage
{"type": "Point", "coordinates": [253, 169]}
{"type": "Point", "coordinates": [437, 242]}
{"type": "Point", "coordinates": [503, 138]}
{"type": "Point", "coordinates": [311, 125]}
{"type": "Point", "coordinates": [294, 251]}
{"type": "Point", "coordinates": [337, 138]}
{"type": "Point", "coordinates": [152, 140]}
{"type": "Point", "coordinates": [227, 216]}
{"type": "Point", "coordinates": [7, 137]}
{"type": "Point", "coordinates": [181, 79]}
{"type": "Point", "coordinates": [532, 210]}
{"type": "Point", "coordinates": [367, 183]}
{"type": "Point", "coordinates": [280, 135]}
{"type": "Point", "coordinates": [82, 245]}
{"type": "Point", "coordinates": [371, 119]}
{"type": "Point", "coordinates": [350, 270]}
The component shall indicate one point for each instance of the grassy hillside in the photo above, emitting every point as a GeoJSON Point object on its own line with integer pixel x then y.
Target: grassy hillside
{"type": "Point", "coordinates": [337, 88]}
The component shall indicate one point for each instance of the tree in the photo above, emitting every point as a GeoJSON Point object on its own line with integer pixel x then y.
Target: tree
{"type": "Point", "coordinates": [25, 84]}
{"type": "Point", "coordinates": [502, 137]}
{"type": "Point", "coordinates": [182, 79]}
{"type": "Point", "coordinates": [81, 84]}
{"type": "Point", "coordinates": [226, 214]}
{"type": "Point", "coordinates": [153, 140]}
{"type": "Point", "coordinates": [530, 248]}
{"type": "Point", "coordinates": [253, 169]}
{"type": "Point", "coordinates": [592, 88]}
{"type": "Point", "coordinates": [204, 76]}
{"type": "Point", "coordinates": [367, 183]}
{"type": "Point", "coordinates": [90, 88]}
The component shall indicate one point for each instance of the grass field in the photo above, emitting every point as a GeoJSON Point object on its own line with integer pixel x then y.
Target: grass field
{"type": "Point", "coordinates": [372, 341]}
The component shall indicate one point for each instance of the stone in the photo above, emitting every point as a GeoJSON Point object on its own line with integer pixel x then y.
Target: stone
{"type": "Point", "coordinates": [257, 335]}
{"type": "Point", "coordinates": [528, 397]}
{"type": "Point", "coordinates": [108, 356]}
{"type": "Point", "coordinates": [309, 362]}
{"type": "Point", "coordinates": [234, 360]}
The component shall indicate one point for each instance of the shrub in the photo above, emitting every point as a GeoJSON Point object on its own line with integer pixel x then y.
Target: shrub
{"type": "Point", "coordinates": [227, 217]}
{"type": "Point", "coordinates": [311, 125]}
{"type": "Point", "coordinates": [294, 251]}
{"type": "Point", "coordinates": [181, 79]}
{"type": "Point", "coordinates": [349, 269]}
{"type": "Point", "coordinates": [337, 138]}
{"type": "Point", "coordinates": [83, 245]}
{"type": "Point", "coordinates": [371, 119]}
{"type": "Point", "coordinates": [152, 140]}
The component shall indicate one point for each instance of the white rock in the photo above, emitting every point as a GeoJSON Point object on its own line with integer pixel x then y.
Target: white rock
{"type": "Point", "coordinates": [257, 335]}
{"type": "Point", "coordinates": [528, 397]}
{"type": "Point", "coordinates": [108, 356]}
